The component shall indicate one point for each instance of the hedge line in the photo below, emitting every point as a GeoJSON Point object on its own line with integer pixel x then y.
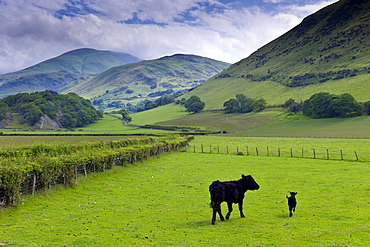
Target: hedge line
{"type": "Point", "coordinates": [58, 164]}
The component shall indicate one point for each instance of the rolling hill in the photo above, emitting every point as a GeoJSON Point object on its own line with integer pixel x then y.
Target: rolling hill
{"type": "Point", "coordinates": [148, 80]}
{"type": "Point", "coordinates": [62, 72]}
{"type": "Point", "coordinates": [328, 52]}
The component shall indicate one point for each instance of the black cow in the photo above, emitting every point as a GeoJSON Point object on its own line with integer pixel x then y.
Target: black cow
{"type": "Point", "coordinates": [230, 192]}
{"type": "Point", "coordinates": [292, 202]}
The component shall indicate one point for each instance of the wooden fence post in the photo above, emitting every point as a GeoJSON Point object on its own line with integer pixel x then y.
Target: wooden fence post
{"type": "Point", "coordinates": [257, 151]}
{"type": "Point", "coordinates": [341, 154]}
{"type": "Point", "coordinates": [356, 155]}
{"type": "Point", "coordinates": [267, 151]}
{"type": "Point", "coordinates": [202, 148]}
{"type": "Point", "coordinates": [85, 171]}
{"type": "Point", "coordinates": [218, 149]}
{"type": "Point", "coordinates": [327, 154]}
{"type": "Point", "coordinates": [237, 149]}
{"type": "Point", "coordinates": [314, 153]}
{"type": "Point", "coordinates": [302, 153]}
{"type": "Point", "coordinates": [194, 148]}
{"type": "Point", "coordinates": [227, 149]}
{"type": "Point", "coordinates": [34, 185]}
{"type": "Point", "coordinates": [291, 153]}
{"type": "Point", "coordinates": [247, 151]}
{"type": "Point", "coordinates": [210, 149]}
{"type": "Point", "coordinates": [278, 152]}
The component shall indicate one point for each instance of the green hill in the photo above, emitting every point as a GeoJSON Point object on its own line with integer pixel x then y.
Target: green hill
{"type": "Point", "coordinates": [62, 72]}
{"type": "Point", "coordinates": [148, 80]}
{"type": "Point", "coordinates": [327, 52]}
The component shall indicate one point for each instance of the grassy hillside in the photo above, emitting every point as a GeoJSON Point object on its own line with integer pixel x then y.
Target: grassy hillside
{"type": "Point", "coordinates": [327, 52]}
{"type": "Point", "coordinates": [62, 72]}
{"type": "Point", "coordinates": [150, 79]}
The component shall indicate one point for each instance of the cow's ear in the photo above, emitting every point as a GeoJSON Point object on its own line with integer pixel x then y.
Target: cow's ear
{"type": "Point", "coordinates": [243, 176]}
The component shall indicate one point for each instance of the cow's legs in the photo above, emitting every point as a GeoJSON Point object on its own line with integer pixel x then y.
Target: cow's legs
{"type": "Point", "coordinates": [230, 207]}
{"type": "Point", "coordinates": [217, 209]}
{"type": "Point", "coordinates": [241, 209]}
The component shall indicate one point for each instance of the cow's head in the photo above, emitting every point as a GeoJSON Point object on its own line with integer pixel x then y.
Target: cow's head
{"type": "Point", "coordinates": [292, 194]}
{"type": "Point", "coordinates": [248, 183]}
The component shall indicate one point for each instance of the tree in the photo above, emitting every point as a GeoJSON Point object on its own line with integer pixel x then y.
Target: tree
{"type": "Point", "coordinates": [243, 104]}
{"type": "Point", "coordinates": [346, 105]}
{"type": "Point", "coordinates": [326, 105]}
{"type": "Point", "coordinates": [196, 107]}
{"type": "Point", "coordinates": [259, 105]}
{"type": "Point", "coordinates": [194, 104]}
{"type": "Point", "coordinates": [125, 116]}
{"type": "Point", "coordinates": [231, 106]}
{"type": "Point", "coordinates": [318, 105]}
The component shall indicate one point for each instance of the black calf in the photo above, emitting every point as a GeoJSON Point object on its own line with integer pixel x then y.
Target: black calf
{"type": "Point", "coordinates": [230, 192]}
{"type": "Point", "coordinates": [292, 203]}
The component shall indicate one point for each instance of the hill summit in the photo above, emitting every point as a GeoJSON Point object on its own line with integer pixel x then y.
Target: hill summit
{"type": "Point", "coordinates": [330, 45]}
{"type": "Point", "coordinates": [150, 79]}
{"type": "Point", "coordinates": [62, 72]}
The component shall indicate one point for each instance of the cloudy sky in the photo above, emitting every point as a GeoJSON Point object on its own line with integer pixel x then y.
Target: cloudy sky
{"type": "Point", "coordinates": [32, 31]}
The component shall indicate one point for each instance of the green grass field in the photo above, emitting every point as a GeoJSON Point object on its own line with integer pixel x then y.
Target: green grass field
{"type": "Point", "coordinates": [165, 202]}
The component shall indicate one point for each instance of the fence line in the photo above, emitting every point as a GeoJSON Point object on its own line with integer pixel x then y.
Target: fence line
{"type": "Point", "coordinates": [311, 153]}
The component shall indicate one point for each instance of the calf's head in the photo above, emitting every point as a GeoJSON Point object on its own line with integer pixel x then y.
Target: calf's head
{"type": "Point", "coordinates": [248, 183]}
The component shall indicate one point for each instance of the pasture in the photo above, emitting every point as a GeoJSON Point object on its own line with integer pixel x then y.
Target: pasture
{"type": "Point", "coordinates": [164, 201]}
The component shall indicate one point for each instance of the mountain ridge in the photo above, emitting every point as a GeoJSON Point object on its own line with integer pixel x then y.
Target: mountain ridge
{"type": "Point", "coordinates": [150, 79]}
{"type": "Point", "coordinates": [62, 72]}
{"type": "Point", "coordinates": [329, 47]}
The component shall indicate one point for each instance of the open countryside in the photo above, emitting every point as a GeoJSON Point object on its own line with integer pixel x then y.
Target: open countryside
{"type": "Point", "coordinates": [112, 154]}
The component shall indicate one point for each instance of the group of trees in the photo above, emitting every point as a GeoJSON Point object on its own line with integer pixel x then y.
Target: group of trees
{"type": "Point", "coordinates": [243, 104]}
{"type": "Point", "coordinates": [326, 105]}
{"type": "Point", "coordinates": [194, 104]}
{"type": "Point", "coordinates": [70, 110]}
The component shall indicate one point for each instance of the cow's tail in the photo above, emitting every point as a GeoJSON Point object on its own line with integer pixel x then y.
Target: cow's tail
{"type": "Point", "coordinates": [216, 190]}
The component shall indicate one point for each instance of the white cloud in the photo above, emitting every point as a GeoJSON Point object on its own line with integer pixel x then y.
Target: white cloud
{"type": "Point", "coordinates": [30, 34]}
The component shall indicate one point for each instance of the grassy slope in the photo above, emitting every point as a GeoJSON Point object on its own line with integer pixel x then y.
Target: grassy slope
{"type": "Point", "coordinates": [332, 127]}
{"type": "Point", "coordinates": [215, 92]}
{"type": "Point", "coordinates": [176, 73]}
{"type": "Point", "coordinates": [111, 209]}
{"type": "Point", "coordinates": [333, 39]}
{"type": "Point", "coordinates": [155, 115]}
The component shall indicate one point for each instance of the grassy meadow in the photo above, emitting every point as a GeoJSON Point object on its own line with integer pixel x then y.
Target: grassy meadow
{"type": "Point", "coordinates": [215, 92]}
{"type": "Point", "coordinates": [164, 201]}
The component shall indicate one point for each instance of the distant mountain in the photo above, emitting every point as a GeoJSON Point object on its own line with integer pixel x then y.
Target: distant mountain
{"type": "Point", "coordinates": [62, 72]}
{"type": "Point", "coordinates": [148, 80]}
{"type": "Point", "coordinates": [329, 51]}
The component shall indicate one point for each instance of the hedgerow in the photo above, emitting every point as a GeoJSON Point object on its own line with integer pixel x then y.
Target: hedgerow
{"type": "Point", "coordinates": [47, 165]}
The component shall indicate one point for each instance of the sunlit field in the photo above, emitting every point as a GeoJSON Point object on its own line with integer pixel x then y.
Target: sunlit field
{"type": "Point", "coordinates": [165, 202]}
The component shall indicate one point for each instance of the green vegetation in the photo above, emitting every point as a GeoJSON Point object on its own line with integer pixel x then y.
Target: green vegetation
{"type": "Point", "coordinates": [58, 164]}
{"type": "Point", "coordinates": [165, 201]}
{"type": "Point", "coordinates": [327, 52]}
{"type": "Point", "coordinates": [194, 104]}
{"type": "Point", "coordinates": [243, 104]}
{"type": "Point", "coordinates": [125, 116]}
{"type": "Point", "coordinates": [148, 80]}
{"type": "Point", "coordinates": [325, 105]}
{"type": "Point", "coordinates": [49, 110]}
{"type": "Point", "coordinates": [64, 71]}
{"type": "Point", "coordinates": [356, 127]}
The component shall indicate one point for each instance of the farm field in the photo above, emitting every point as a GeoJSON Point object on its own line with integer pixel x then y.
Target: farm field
{"type": "Point", "coordinates": [164, 201]}
{"type": "Point", "coordinates": [329, 127]}
{"type": "Point", "coordinates": [215, 143]}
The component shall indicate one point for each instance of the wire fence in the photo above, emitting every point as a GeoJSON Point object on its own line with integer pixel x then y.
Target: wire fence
{"type": "Point", "coordinates": [311, 153]}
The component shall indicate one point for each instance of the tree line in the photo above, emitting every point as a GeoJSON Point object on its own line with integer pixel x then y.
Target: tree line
{"type": "Point", "coordinates": [326, 105]}
{"type": "Point", "coordinates": [69, 110]}
{"type": "Point", "coordinates": [244, 104]}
